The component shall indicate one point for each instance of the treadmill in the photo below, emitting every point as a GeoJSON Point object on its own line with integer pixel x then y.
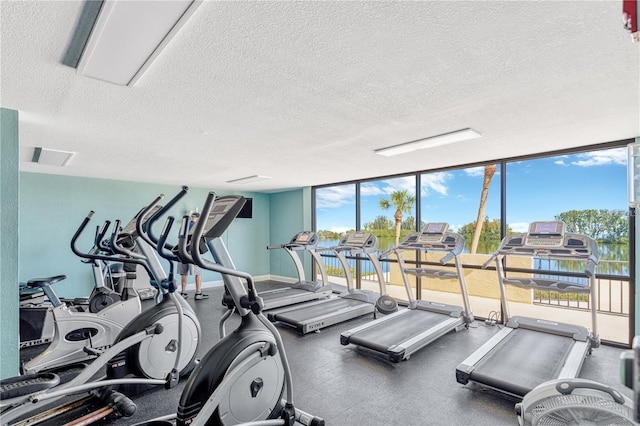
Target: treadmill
{"type": "Point", "coordinates": [302, 290]}
{"type": "Point", "coordinates": [529, 351]}
{"type": "Point", "coordinates": [406, 331]}
{"type": "Point", "coordinates": [350, 304]}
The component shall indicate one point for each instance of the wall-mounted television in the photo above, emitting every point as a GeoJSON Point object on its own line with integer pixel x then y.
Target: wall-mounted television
{"type": "Point", "coordinates": [247, 209]}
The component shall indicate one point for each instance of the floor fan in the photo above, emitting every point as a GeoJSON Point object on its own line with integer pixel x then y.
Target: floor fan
{"type": "Point", "coordinates": [564, 402]}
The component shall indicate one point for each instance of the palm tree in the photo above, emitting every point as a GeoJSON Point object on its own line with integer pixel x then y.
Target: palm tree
{"type": "Point", "coordinates": [489, 171]}
{"type": "Point", "coordinates": [403, 203]}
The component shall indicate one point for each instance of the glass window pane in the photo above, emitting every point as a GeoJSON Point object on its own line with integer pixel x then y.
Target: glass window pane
{"type": "Point", "coordinates": [459, 198]}
{"type": "Point", "coordinates": [388, 210]}
{"type": "Point", "coordinates": [588, 192]}
{"type": "Point", "coordinates": [335, 215]}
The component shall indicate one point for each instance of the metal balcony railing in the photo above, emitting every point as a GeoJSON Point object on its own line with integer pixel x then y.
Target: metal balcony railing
{"type": "Point", "coordinates": [612, 282]}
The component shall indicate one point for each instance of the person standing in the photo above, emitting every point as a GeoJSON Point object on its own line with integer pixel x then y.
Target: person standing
{"type": "Point", "coordinates": [186, 269]}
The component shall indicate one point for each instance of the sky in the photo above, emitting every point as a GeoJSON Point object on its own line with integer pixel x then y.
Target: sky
{"type": "Point", "coordinates": [536, 190]}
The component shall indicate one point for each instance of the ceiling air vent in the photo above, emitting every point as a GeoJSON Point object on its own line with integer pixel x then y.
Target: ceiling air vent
{"type": "Point", "coordinates": [51, 157]}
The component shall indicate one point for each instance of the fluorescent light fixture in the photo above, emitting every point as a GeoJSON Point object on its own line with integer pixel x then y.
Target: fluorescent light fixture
{"type": "Point", "coordinates": [128, 35]}
{"type": "Point", "coordinates": [51, 157]}
{"type": "Point", "coordinates": [430, 142]}
{"type": "Point", "coordinates": [249, 179]}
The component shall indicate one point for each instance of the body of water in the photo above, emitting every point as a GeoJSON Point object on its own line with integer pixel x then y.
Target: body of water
{"type": "Point", "coordinates": [614, 258]}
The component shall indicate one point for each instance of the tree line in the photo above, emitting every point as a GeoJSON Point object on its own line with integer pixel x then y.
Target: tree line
{"type": "Point", "coordinates": [610, 226]}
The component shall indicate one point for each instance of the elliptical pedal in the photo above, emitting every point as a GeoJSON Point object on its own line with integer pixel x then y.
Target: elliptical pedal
{"type": "Point", "coordinates": [17, 386]}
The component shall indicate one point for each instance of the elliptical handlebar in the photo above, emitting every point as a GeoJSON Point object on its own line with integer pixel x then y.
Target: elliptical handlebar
{"type": "Point", "coordinates": [116, 247]}
{"type": "Point", "coordinates": [146, 228]}
{"type": "Point", "coordinates": [183, 249]}
{"type": "Point", "coordinates": [162, 240]}
{"type": "Point", "coordinates": [95, 256]}
{"type": "Point", "coordinates": [142, 227]}
{"type": "Point", "coordinates": [100, 233]}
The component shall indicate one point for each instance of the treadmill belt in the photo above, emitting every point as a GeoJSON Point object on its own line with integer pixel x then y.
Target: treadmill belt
{"type": "Point", "coordinates": [523, 360]}
{"type": "Point", "coordinates": [397, 330]}
{"type": "Point", "coordinates": [281, 293]}
{"type": "Point", "coordinates": [305, 313]}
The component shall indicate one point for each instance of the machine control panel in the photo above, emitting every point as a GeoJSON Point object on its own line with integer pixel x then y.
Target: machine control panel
{"type": "Point", "coordinates": [434, 236]}
{"type": "Point", "coordinates": [307, 239]}
{"type": "Point", "coordinates": [548, 238]}
{"type": "Point", "coordinates": [358, 240]}
{"type": "Point", "coordinates": [545, 234]}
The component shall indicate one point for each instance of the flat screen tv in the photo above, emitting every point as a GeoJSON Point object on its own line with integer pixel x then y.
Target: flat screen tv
{"type": "Point", "coordinates": [247, 209]}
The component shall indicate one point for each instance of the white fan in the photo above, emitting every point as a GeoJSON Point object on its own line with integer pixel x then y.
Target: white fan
{"type": "Point", "coordinates": [565, 402]}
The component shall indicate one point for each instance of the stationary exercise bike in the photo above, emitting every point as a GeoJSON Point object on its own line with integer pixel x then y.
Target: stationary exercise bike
{"type": "Point", "coordinates": [244, 377]}
{"type": "Point", "coordinates": [36, 319]}
{"type": "Point", "coordinates": [155, 348]}
{"type": "Point", "coordinates": [76, 330]}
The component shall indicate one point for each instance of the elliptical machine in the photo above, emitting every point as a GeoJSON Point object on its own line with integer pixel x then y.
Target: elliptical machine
{"type": "Point", "coordinates": [111, 284]}
{"type": "Point", "coordinates": [246, 375]}
{"type": "Point", "coordinates": [156, 347]}
{"type": "Point", "coordinates": [76, 330]}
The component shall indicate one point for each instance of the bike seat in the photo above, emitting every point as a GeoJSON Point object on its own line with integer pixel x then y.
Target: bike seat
{"type": "Point", "coordinates": [42, 282]}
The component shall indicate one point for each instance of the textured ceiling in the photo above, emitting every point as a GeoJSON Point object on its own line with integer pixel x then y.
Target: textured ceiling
{"type": "Point", "coordinates": [304, 92]}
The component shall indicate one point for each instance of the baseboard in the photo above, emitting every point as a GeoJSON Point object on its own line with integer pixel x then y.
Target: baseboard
{"type": "Point", "coordinates": [280, 278]}
{"type": "Point", "coordinates": [219, 283]}
{"type": "Point", "coordinates": [208, 284]}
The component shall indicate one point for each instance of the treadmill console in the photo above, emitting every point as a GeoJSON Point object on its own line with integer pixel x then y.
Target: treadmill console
{"type": "Point", "coordinates": [308, 239]}
{"type": "Point", "coordinates": [545, 234]}
{"type": "Point", "coordinates": [548, 238]}
{"type": "Point", "coordinates": [358, 240]}
{"type": "Point", "coordinates": [224, 210]}
{"type": "Point", "coordinates": [434, 236]}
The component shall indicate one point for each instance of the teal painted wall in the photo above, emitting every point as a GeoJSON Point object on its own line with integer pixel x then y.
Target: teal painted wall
{"type": "Point", "coordinates": [290, 213]}
{"type": "Point", "coordinates": [52, 207]}
{"type": "Point", "coordinates": [9, 240]}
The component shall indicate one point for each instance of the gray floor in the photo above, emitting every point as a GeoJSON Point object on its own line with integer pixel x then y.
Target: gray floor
{"type": "Point", "coordinates": [348, 386]}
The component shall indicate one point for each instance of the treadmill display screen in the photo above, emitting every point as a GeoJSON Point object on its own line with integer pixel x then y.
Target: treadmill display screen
{"type": "Point", "coordinates": [547, 228]}
{"type": "Point", "coordinates": [435, 228]}
{"type": "Point", "coordinates": [302, 238]}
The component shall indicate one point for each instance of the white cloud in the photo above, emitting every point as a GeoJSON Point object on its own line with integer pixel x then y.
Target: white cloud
{"type": "Point", "coordinates": [335, 196]}
{"type": "Point", "coordinates": [407, 183]}
{"type": "Point", "coordinates": [475, 171]}
{"type": "Point", "coordinates": [387, 186]}
{"type": "Point", "coordinates": [435, 182]}
{"type": "Point", "coordinates": [560, 163]}
{"type": "Point", "coordinates": [367, 189]}
{"type": "Point", "coordinates": [519, 226]}
{"type": "Point", "coordinates": [602, 158]}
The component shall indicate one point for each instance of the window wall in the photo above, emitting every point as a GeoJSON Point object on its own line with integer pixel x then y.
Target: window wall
{"type": "Point", "coordinates": [484, 202]}
{"type": "Point", "coordinates": [388, 210]}
{"type": "Point", "coordinates": [335, 215]}
{"type": "Point", "coordinates": [468, 200]}
{"type": "Point", "coordinates": [588, 192]}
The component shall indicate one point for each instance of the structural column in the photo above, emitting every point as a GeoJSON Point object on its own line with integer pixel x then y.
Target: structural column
{"type": "Point", "coordinates": [9, 201]}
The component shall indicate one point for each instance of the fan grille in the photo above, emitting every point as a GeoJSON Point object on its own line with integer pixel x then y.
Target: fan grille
{"type": "Point", "coordinates": [563, 410]}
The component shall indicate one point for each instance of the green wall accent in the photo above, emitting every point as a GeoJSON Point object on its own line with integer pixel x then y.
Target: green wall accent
{"type": "Point", "coordinates": [9, 240]}
{"type": "Point", "coordinates": [290, 213]}
{"type": "Point", "coordinates": [52, 207]}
